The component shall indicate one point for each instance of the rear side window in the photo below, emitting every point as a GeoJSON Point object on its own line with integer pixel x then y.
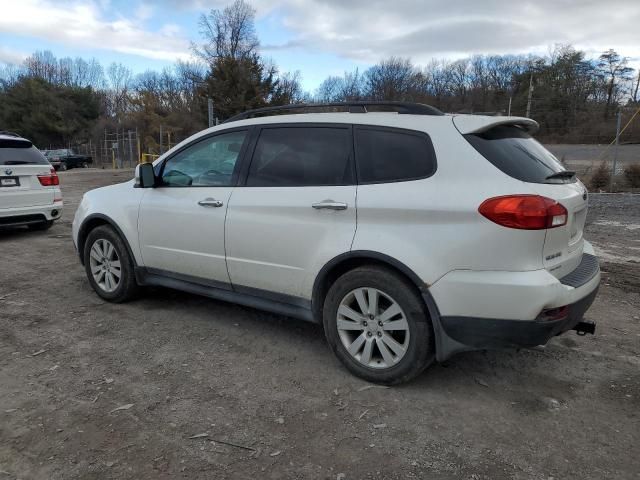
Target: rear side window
{"type": "Point", "coordinates": [301, 156]}
{"type": "Point", "coordinates": [516, 153]}
{"type": "Point", "coordinates": [385, 155]}
{"type": "Point", "coordinates": [13, 152]}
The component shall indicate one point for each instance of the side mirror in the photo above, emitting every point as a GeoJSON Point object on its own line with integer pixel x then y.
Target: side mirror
{"type": "Point", "coordinates": [145, 176]}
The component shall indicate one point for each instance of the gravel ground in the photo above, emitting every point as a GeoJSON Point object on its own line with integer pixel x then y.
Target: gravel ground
{"type": "Point", "coordinates": [178, 386]}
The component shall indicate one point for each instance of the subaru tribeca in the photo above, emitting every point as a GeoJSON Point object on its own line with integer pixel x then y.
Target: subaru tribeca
{"type": "Point", "coordinates": [410, 235]}
{"type": "Point", "coordinates": [29, 186]}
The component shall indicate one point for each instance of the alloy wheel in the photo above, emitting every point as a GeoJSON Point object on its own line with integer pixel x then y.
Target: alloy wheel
{"type": "Point", "coordinates": [105, 265]}
{"type": "Point", "coordinates": [373, 328]}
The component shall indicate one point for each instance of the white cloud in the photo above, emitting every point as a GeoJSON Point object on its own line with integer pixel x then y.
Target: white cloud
{"type": "Point", "coordinates": [82, 24]}
{"type": "Point", "coordinates": [368, 30]}
{"type": "Point", "coordinates": [10, 56]}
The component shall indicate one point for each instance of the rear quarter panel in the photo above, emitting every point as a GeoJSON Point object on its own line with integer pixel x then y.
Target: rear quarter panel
{"type": "Point", "coordinates": [433, 225]}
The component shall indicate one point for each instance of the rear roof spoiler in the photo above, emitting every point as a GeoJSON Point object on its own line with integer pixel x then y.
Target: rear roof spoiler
{"type": "Point", "coordinates": [481, 123]}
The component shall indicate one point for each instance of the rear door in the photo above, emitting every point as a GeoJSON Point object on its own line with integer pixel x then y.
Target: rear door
{"type": "Point", "coordinates": [20, 165]}
{"type": "Point", "coordinates": [295, 211]}
{"type": "Point", "coordinates": [512, 150]}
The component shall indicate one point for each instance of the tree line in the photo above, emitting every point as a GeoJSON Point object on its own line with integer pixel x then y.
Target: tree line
{"type": "Point", "coordinates": [60, 101]}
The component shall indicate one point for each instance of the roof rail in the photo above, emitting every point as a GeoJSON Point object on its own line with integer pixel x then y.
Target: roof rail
{"type": "Point", "coordinates": [9, 134]}
{"type": "Point", "coordinates": [351, 107]}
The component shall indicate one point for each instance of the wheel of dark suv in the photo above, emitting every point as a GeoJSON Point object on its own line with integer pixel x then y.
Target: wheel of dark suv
{"type": "Point", "coordinates": [109, 266]}
{"type": "Point", "coordinates": [44, 225]}
{"type": "Point", "coordinates": [377, 325]}
{"type": "Point", "coordinates": [63, 166]}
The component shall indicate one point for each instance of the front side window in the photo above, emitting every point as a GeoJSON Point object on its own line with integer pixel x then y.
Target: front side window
{"type": "Point", "coordinates": [385, 155]}
{"type": "Point", "coordinates": [208, 163]}
{"type": "Point", "coordinates": [301, 156]}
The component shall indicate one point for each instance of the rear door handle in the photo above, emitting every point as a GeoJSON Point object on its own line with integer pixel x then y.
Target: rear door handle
{"type": "Point", "coordinates": [210, 202]}
{"type": "Point", "coordinates": [329, 205]}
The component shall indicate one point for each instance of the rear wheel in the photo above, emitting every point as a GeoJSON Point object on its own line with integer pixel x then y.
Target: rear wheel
{"type": "Point", "coordinates": [44, 225]}
{"type": "Point", "coordinates": [377, 325]}
{"type": "Point", "coordinates": [109, 266]}
{"type": "Point", "coordinates": [63, 166]}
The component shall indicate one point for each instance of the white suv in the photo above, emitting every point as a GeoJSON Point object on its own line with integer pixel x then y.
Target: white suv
{"type": "Point", "coordinates": [29, 186]}
{"type": "Point", "coordinates": [409, 234]}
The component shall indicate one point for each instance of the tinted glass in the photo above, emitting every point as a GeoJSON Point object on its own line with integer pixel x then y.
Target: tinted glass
{"type": "Point", "coordinates": [301, 156]}
{"type": "Point", "coordinates": [20, 156]}
{"type": "Point", "coordinates": [516, 153]}
{"type": "Point", "coordinates": [208, 163]}
{"type": "Point", "coordinates": [393, 156]}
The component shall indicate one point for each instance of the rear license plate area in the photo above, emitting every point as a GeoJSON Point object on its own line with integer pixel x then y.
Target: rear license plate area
{"type": "Point", "coordinates": [9, 181]}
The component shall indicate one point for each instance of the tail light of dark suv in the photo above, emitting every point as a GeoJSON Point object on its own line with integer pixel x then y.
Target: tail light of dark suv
{"type": "Point", "coordinates": [525, 212]}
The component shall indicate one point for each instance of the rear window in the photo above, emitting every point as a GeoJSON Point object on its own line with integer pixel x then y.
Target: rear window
{"type": "Point", "coordinates": [386, 155]}
{"type": "Point", "coordinates": [16, 152]}
{"type": "Point", "coordinates": [516, 153]}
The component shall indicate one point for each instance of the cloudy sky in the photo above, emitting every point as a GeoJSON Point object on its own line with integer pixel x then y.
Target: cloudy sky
{"type": "Point", "coordinates": [319, 37]}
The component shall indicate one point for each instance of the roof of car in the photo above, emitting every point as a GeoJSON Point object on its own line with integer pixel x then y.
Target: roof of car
{"type": "Point", "coordinates": [11, 138]}
{"type": "Point", "coordinates": [359, 106]}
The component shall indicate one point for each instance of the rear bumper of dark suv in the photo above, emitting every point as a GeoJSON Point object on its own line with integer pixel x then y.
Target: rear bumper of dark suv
{"type": "Point", "coordinates": [465, 333]}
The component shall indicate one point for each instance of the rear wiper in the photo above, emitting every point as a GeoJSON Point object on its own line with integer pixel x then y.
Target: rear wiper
{"type": "Point", "coordinates": [563, 175]}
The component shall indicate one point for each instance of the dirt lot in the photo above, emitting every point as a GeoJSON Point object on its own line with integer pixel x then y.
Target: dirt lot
{"type": "Point", "coordinates": [272, 400]}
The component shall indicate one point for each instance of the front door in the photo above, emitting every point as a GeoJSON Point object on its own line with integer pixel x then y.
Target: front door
{"type": "Point", "coordinates": [181, 221]}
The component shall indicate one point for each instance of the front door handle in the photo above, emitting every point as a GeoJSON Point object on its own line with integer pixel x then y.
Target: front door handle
{"type": "Point", "coordinates": [329, 205]}
{"type": "Point", "coordinates": [210, 202]}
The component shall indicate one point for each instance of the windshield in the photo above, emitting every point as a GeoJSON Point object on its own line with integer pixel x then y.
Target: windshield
{"type": "Point", "coordinates": [517, 154]}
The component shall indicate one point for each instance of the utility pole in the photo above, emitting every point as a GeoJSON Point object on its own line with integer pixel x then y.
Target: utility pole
{"type": "Point", "coordinates": [530, 96]}
{"type": "Point", "coordinates": [130, 149]}
{"type": "Point", "coordinates": [509, 110]}
{"type": "Point", "coordinates": [615, 150]}
{"type": "Point", "coordinates": [210, 110]}
{"type": "Point", "coordinates": [160, 139]}
{"type": "Point", "coordinates": [138, 143]}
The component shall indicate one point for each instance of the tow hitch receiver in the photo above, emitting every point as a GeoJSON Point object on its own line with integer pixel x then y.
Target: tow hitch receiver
{"type": "Point", "coordinates": [582, 328]}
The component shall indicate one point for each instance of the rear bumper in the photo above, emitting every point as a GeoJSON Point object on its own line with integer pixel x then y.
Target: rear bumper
{"type": "Point", "coordinates": [486, 333]}
{"type": "Point", "coordinates": [34, 214]}
{"type": "Point", "coordinates": [494, 310]}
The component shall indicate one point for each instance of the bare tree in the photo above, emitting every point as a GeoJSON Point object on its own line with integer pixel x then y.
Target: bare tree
{"type": "Point", "coordinates": [329, 90]}
{"type": "Point", "coordinates": [228, 33]}
{"type": "Point", "coordinates": [392, 79]}
{"type": "Point", "coordinates": [120, 78]}
{"type": "Point", "coordinates": [613, 69]}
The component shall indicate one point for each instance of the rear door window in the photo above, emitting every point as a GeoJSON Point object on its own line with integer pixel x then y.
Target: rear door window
{"type": "Point", "coordinates": [20, 152]}
{"type": "Point", "coordinates": [517, 154]}
{"type": "Point", "coordinates": [302, 156]}
{"type": "Point", "coordinates": [393, 155]}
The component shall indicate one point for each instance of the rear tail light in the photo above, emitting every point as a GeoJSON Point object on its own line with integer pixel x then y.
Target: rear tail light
{"type": "Point", "coordinates": [525, 212]}
{"type": "Point", "coordinates": [49, 180]}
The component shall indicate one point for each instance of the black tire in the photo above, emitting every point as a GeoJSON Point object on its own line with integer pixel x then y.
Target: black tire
{"type": "Point", "coordinates": [420, 351]}
{"type": "Point", "coordinates": [127, 288]}
{"type": "Point", "coordinates": [45, 225]}
{"type": "Point", "coordinates": [63, 166]}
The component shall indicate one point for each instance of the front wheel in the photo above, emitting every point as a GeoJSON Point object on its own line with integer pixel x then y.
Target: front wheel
{"type": "Point", "coordinates": [377, 325]}
{"type": "Point", "coordinates": [63, 166]}
{"type": "Point", "coordinates": [109, 266]}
